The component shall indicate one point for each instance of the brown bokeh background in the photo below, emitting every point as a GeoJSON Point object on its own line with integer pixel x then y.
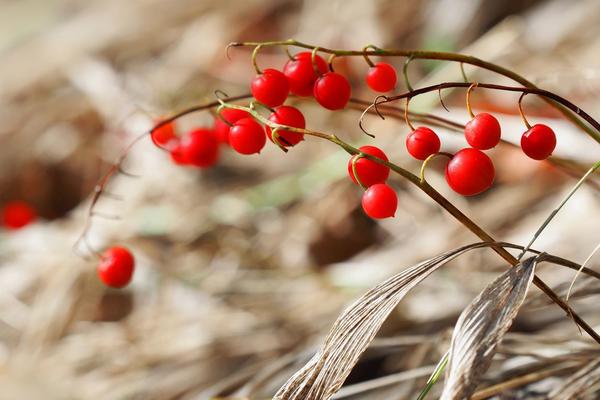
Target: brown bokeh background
{"type": "Point", "coordinates": [241, 269]}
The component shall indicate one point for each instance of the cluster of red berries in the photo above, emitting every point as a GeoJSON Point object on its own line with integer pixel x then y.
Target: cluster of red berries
{"type": "Point", "coordinates": [17, 214]}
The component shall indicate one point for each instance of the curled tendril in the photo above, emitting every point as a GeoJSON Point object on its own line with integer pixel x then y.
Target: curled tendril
{"type": "Point", "coordinates": [469, 110]}
{"type": "Point", "coordinates": [426, 162]}
{"type": "Point", "coordinates": [410, 125]}
{"type": "Point", "coordinates": [330, 61]}
{"type": "Point", "coordinates": [277, 139]}
{"type": "Point", "coordinates": [254, 62]}
{"type": "Point", "coordinates": [442, 100]}
{"type": "Point", "coordinates": [221, 95]}
{"type": "Point", "coordinates": [287, 52]}
{"type": "Point", "coordinates": [368, 109]}
{"type": "Point", "coordinates": [405, 73]}
{"type": "Point", "coordinates": [527, 124]}
{"type": "Point", "coordinates": [366, 57]}
{"type": "Point", "coordinates": [462, 71]}
{"type": "Point", "coordinates": [313, 56]}
{"type": "Point", "coordinates": [354, 172]}
{"type": "Point", "coordinates": [229, 46]}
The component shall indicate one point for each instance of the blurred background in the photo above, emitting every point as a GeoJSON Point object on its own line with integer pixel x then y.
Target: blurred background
{"type": "Point", "coordinates": [241, 269]}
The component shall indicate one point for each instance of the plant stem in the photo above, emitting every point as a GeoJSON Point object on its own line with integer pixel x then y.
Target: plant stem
{"type": "Point", "coordinates": [430, 55]}
{"type": "Point", "coordinates": [438, 198]}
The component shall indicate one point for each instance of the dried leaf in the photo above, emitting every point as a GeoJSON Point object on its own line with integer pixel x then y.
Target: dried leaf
{"type": "Point", "coordinates": [578, 384]}
{"type": "Point", "coordinates": [481, 327]}
{"type": "Point", "coordinates": [350, 335]}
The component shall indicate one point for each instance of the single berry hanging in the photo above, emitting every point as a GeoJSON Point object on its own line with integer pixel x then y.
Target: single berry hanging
{"type": "Point", "coordinates": [17, 214]}
{"type": "Point", "coordinates": [221, 128]}
{"type": "Point", "coordinates": [271, 87]}
{"type": "Point", "coordinates": [483, 131]}
{"type": "Point", "coordinates": [538, 142]}
{"type": "Point", "coordinates": [164, 135]}
{"type": "Point", "coordinates": [381, 77]}
{"type": "Point", "coordinates": [470, 172]}
{"type": "Point", "coordinates": [116, 266]}
{"type": "Point", "coordinates": [380, 201]}
{"type": "Point", "coordinates": [301, 74]}
{"type": "Point", "coordinates": [247, 136]}
{"type": "Point", "coordinates": [289, 116]}
{"type": "Point", "coordinates": [369, 172]}
{"type": "Point", "coordinates": [332, 91]}
{"type": "Point", "coordinates": [422, 142]}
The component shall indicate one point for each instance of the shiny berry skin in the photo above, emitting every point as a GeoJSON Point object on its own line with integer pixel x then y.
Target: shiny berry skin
{"type": "Point", "coordinates": [470, 172]}
{"type": "Point", "coordinates": [17, 214]}
{"type": "Point", "coordinates": [270, 88]}
{"type": "Point", "coordinates": [199, 148]}
{"type": "Point", "coordinates": [163, 135]}
{"type": "Point", "coordinates": [300, 73]}
{"type": "Point", "coordinates": [290, 116]}
{"type": "Point", "coordinates": [422, 142]}
{"type": "Point", "coordinates": [221, 128]}
{"type": "Point", "coordinates": [382, 77]}
{"type": "Point", "coordinates": [332, 91]}
{"type": "Point", "coordinates": [483, 131]}
{"type": "Point", "coordinates": [369, 172]}
{"type": "Point", "coordinates": [380, 201]}
{"type": "Point", "coordinates": [247, 136]}
{"type": "Point", "coordinates": [116, 266]}
{"type": "Point", "coordinates": [538, 142]}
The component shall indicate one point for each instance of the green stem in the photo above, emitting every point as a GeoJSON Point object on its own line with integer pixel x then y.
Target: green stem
{"type": "Point", "coordinates": [433, 55]}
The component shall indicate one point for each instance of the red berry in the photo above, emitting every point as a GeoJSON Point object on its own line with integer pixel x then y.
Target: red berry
{"type": "Point", "coordinates": [270, 88]}
{"type": "Point", "coordinates": [538, 142]}
{"type": "Point", "coordinates": [470, 172]}
{"type": "Point", "coordinates": [115, 268]}
{"type": "Point", "coordinates": [483, 131]}
{"type": "Point", "coordinates": [199, 148]}
{"type": "Point", "coordinates": [247, 136]}
{"type": "Point", "coordinates": [290, 116]}
{"type": "Point", "coordinates": [382, 77]}
{"type": "Point", "coordinates": [422, 142]}
{"type": "Point", "coordinates": [230, 115]}
{"type": "Point", "coordinates": [17, 214]}
{"type": "Point", "coordinates": [177, 154]}
{"type": "Point", "coordinates": [163, 135]}
{"type": "Point", "coordinates": [300, 73]}
{"type": "Point", "coordinates": [380, 201]}
{"type": "Point", "coordinates": [332, 91]}
{"type": "Point", "coordinates": [369, 172]}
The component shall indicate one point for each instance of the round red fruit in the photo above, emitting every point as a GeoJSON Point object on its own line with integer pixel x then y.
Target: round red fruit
{"type": "Point", "coordinates": [247, 136]}
{"type": "Point", "coordinates": [483, 131]}
{"type": "Point", "coordinates": [538, 142]}
{"type": "Point", "coordinates": [382, 77]}
{"type": "Point", "coordinates": [116, 266]}
{"type": "Point", "coordinates": [163, 135]}
{"type": "Point", "coordinates": [221, 128]}
{"type": "Point", "coordinates": [470, 172]}
{"type": "Point", "coordinates": [301, 74]}
{"type": "Point", "coordinates": [289, 116]}
{"type": "Point", "coordinates": [199, 148]}
{"type": "Point", "coordinates": [369, 172]}
{"type": "Point", "coordinates": [332, 91]}
{"type": "Point", "coordinates": [422, 142]}
{"type": "Point", "coordinates": [380, 201]}
{"type": "Point", "coordinates": [17, 214]}
{"type": "Point", "coordinates": [270, 88]}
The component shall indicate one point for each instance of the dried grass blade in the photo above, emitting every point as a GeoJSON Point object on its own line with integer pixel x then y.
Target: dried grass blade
{"type": "Point", "coordinates": [354, 329]}
{"type": "Point", "coordinates": [481, 327]}
{"type": "Point", "coordinates": [576, 386]}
